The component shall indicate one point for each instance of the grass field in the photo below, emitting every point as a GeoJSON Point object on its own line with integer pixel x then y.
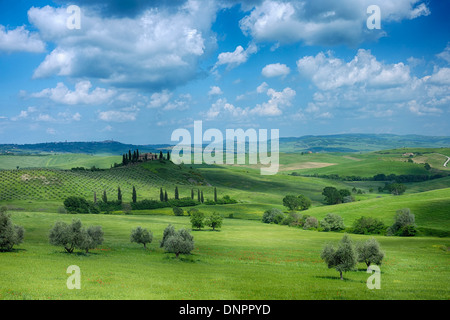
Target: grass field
{"type": "Point", "coordinates": [245, 260]}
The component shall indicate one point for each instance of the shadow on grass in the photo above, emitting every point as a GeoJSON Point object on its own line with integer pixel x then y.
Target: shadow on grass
{"type": "Point", "coordinates": [197, 230]}
{"type": "Point", "coordinates": [337, 278]}
{"type": "Point", "coordinates": [13, 250]}
{"type": "Point", "coordinates": [182, 258]}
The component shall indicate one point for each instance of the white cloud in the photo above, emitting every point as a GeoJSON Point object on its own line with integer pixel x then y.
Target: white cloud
{"type": "Point", "coordinates": [326, 22]}
{"type": "Point", "coordinates": [214, 90]}
{"type": "Point", "coordinates": [442, 76]}
{"type": "Point", "coordinates": [277, 101]}
{"type": "Point", "coordinates": [81, 95]}
{"type": "Point", "coordinates": [328, 72]}
{"type": "Point", "coordinates": [275, 70]}
{"type": "Point", "coordinates": [123, 115]}
{"type": "Point", "coordinates": [156, 49]}
{"type": "Point", "coordinates": [235, 58]}
{"type": "Point", "coordinates": [20, 39]}
{"type": "Point", "coordinates": [222, 107]}
{"type": "Point", "coordinates": [159, 99]}
{"type": "Point", "coordinates": [445, 55]}
{"type": "Point", "coordinates": [262, 87]}
{"type": "Point", "coordinates": [51, 131]}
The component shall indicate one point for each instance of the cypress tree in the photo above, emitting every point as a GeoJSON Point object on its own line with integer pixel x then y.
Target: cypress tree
{"type": "Point", "coordinates": [192, 194]}
{"type": "Point", "coordinates": [168, 155]}
{"type": "Point", "coordinates": [166, 198]}
{"type": "Point", "coordinates": [129, 155]}
{"type": "Point", "coordinates": [160, 155]}
{"type": "Point", "coordinates": [95, 197]}
{"type": "Point", "coordinates": [119, 194]}
{"type": "Point", "coordinates": [137, 154]}
{"type": "Point", "coordinates": [161, 195]}
{"type": "Point", "coordinates": [198, 195]}
{"type": "Point", "coordinates": [176, 193]}
{"type": "Point", "coordinates": [202, 199]}
{"type": "Point", "coordinates": [215, 194]}
{"type": "Point", "coordinates": [104, 197]}
{"type": "Point", "coordinates": [134, 195]}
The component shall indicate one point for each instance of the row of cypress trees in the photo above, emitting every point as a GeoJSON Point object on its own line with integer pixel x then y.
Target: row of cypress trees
{"type": "Point", "coordinates": [134, 157]}
{"type": "Point", "coordinates": [163, 197]}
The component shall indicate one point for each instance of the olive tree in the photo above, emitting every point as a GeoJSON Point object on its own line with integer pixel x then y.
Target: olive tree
{"type": "Point", "coordinates": [142, 236]}
{"type": "Point", "coordinates": [10, 234]}
{"type": "Point", "coordinates": [168, 232]}
{"type": "Point", "coordinates": [343, 258]}
{"type": "Point", "coordinates": [369, 252]}
{"type": "Point", "coordinates": [73, 235]}
{"type": "Point", "coordinates": [181, 242]}
{"type": "Point", "coordinates": [90, 238]}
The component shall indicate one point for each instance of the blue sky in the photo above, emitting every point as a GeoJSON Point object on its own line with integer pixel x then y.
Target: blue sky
{"type": "Point", "coordinates": [137, 70]}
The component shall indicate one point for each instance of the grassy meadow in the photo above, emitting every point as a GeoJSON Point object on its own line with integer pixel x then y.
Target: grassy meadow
{"type": "Point", "coordinates": [245, 259]}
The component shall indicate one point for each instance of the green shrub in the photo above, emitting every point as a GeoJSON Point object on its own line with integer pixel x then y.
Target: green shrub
{"type": "Point", "coordinates": [273, 216]}
{"type": "Point", "coordinates": [404, 224]}
{"type": "Point", "coordinates": [368, 225]}
{"type": "Point", "coordinates": [168, 231]}
{"type": "Point", "coordinates": [332, 222]}
{"type": "Point", "coordinates": [310, 223]}
{"type": "Point", "coordinates": [177, 211]}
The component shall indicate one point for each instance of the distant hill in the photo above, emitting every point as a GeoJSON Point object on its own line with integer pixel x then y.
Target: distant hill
{"type": "Point", "coordinates": [360, 142]}
{"type": "Point", "coordinates": [102, 147]}
{"type": "Point", "coordinates": [325, 143]}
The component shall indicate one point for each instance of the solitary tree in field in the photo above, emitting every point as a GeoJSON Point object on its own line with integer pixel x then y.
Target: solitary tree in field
{"type": "Point", "coordinates": [197, 220]}
{"type": "Point", "coordinates": [369, 252]}
{"type": "Point", "coordinates": [10, 234]}
{"type": "Point", "coordinates": [214, 221]}
{"type": "Point", "coordinates": [134, 196]}
{"type": "Point", "coordinates": [343, 258]}
{"type": "Point", "coordinates": [142, 236]}
{"type": "Point", "coordinates": [181, 242]}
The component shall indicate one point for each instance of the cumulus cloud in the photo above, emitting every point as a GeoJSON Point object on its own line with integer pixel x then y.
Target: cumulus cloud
{"type": "Point", "coordinates": [275, 70]}
{"type": "Point", "coordinates": [328, 72]}
{"type": "Point", "coordinates": [235, 58]}
{"type": "Point", "coordinates": [215, 90]}
{"type": "Point", "coordinates": [156, 49]}
{"type": "Point", "coordinates": [277, 101]}
{"type": "Point", "coordinates": [123, 115]}
{"type": "Point", "coordinates": [81, 95]}
{"type": "Point", "coordinates": [221, 106]}
{"type": "Point", "coordinates": [366, 87]}
{"type": "Point", "coordinates": [325, 22]}
{"type": "Point", "coordinates": [20, 39]}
